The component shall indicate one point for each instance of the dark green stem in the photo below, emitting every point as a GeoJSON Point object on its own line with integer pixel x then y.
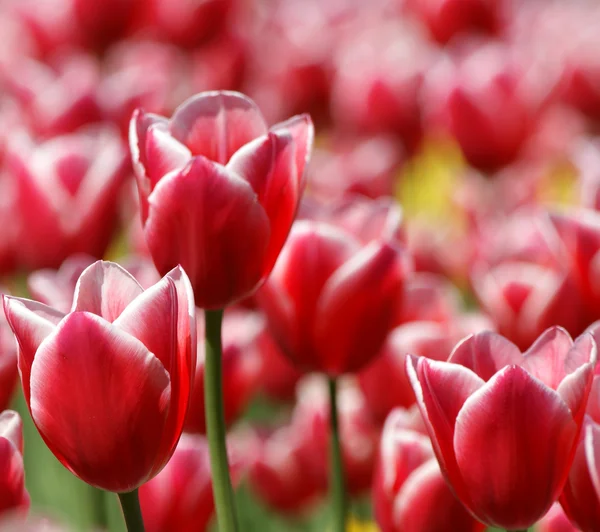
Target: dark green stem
{"type": "Point", "coordinates": [215, 423]}
{"type": "Point", "coordinates": [130, 504]}
{"type": "Point", "coordinates": [99, 507]}
{"type": "Point", "coordinates": [336, 478]}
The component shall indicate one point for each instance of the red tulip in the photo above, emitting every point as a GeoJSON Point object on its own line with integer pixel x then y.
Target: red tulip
{"type": "Point", "coordinates": [55, 288]}
{"type": "Point", "coordinates": [331, 301]}
{"type": "Point", "coordinates": [504, 425]}
{"type": "Point", "coordinates": [108, 384]}
{"type": "Point", "coordinates": [284, 471]}
{"type": "Point", "coordinates": [555, 521]}
{"type": "Point", "coordinates": [359, 433]}
{"type": "Point", "coordinates": [8, 365]}
{"type": "Point", "coordinates": [13, 495]}
{"type": "Point", "coordinates": [242, 367]}
{"type": "Point", "coordinates": [447, 18]}
{"type": "Point", "coordinates": [362, 166]}
{"type": "Point", "coordinates": [180, 497]}
{"type": "Point", "coordinates": [409, 491]}
{"type": "Point", "coordinates": [482, 101]}
{"type": "Point", "coordinates": [66, 190]}
{"type": "Point", "coordinates": [219, 191]}
{"type": "Point", "coordinates": [525, 299]}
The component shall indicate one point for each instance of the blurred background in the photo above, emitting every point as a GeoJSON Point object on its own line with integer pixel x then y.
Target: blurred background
{"type": "Point", "coordinates": [474, 115]}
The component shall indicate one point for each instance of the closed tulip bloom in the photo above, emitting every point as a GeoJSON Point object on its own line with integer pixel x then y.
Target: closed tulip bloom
{"type": "Point", "coordinates": [108, 384]}
{"type": "Point", "coordinates": [66, 190]}
{"type": "Point", "coordinates": [505, 425]}
{"type": "Point", "coordinates": [13, 495]}
{"type": "Point", "coordinates": [409, 491]}
{"type": "Point", "coordinates": [180, 497]}
{"type": "Point", "coordinates": [242, 367]}
{"type": "Point", "coordinates": [219, 190]}
{"type": "Point", "coordinates": [330, 300]}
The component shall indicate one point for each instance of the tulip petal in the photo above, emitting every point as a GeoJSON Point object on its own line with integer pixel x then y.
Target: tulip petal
{"type": "Point", "coordinates": [426, 503]}
{"type": "Point", "coordinates": [485, 354]}
{"type": "Point", "coordinates": [163, 153]}
{"type": "Point", "coordinates": [546, 359]}
{"type": "Point", "coordinates": [511, 482]}
{"type": "Point", "coordinates": [217, 124]}
{"type": "Point", "coordinates": [592, 453]}
{"type": "Point", "coordinates": [303, 132]}
{"type": "Point", "coordinates": [105, 289]}
{"type": "Point", "coordinates": [12, 480]}
{"type": "Point", "coordinates": [442, 389]}
{"type": "Point", "coordinates": [208, 220]}
{"type": "Point", "coordinates": [138, 127]}
{"type": "Point", "coordinates": [357, 306]}
{"type": "Point", "coordinates": [267, 163]}
{"type": "Point", "coordinates": [31, 322]}
{"type": "Point", "coordinates": [11, 428]}
{"type": "Point", "coordinates": [105, 413]}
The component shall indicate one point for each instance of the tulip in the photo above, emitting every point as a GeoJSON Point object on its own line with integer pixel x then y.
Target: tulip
{"type": "Point", "coordinates": [409, 491]}
{"type": "Point", "coordinates": [447, 18]}
{"type": "Point", "coordinates": [13, 495]}
{"type": "Point", "coordinates": [55, 288]}
{"type": "Point", "coordinates": [8, 365]}
{"type": "Point", "coordinates": [242, 367]}
{"type": "Point", "coordinates": [481, 100]}
{"type": "Point", "coordinates": [180, 496]}
{"type": "Point", "coordinates": [108, 384]}
{"type": "Point", "coordinates": [66, 189]}
{"type": "Point", "coordinates": [524, 299]}
{"type": "Point", "coordinates": [218, 190]}
{"type": "Point", "coordinates": [330, 301]}
{"type": "Point", "coordinates": [505, 425]}
{"type": "Point", "coordinates": [555, 521]}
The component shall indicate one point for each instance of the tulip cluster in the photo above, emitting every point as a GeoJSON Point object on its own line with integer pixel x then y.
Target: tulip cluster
{"type": "Point", "coordinates": [261, 262]}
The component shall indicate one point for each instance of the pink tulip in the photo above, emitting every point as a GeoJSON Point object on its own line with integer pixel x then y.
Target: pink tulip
{"type": "Point", "coordinates": [219, 191]}
{"type": "Point", "coordinates": [555, 521]}
{"type": "Point", "coordinates": [66, 192]}
{"type": "Point", "coordinates": [409, 491]}
{"type": "Point", "coordinates": [331, 301]}
{"type": "Point", "coordinates": [108, 384]}
{"type": "Point", "coordinates": [505, 425]}
{"type": "Point", "coordinates": [8, 365]}
{"type": "Point", "coordinates": [13, 495]}
{"type": "Point", "coordinates": [180, 497]}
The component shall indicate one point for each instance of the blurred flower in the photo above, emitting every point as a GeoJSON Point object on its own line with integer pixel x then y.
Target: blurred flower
{"type": "Point", "coordinates": [352, 166]}
{"type": "Point", "coordinates": [330, 301]}
{"type": "Point", "coordinates": [359, 433]}
{"type": "Point", "coordinates": [409, 491]}
{"type": "Point", "coordinates": [225, 224]}
{"type": "Point", "coordinates": [555, 521]}
{"type": "Point", "coordinates": [66, 189]}
{"type": "Point", "coordinates": [13, 494]}
{"type": "Point", "coordinates": [241, 371]}
{"type": "Point", "coordinates": [378, 79]}
{"type": "Point", "coordinates": [106, 385]}
{"type": "Point", "coordinates": [486, 101]}
{"type": "Point", "coordinates": [56, 98]}
{"type": "Point", "coordinates": [489, 399]}
{"type": "Point", "coordinates": [180, 497]}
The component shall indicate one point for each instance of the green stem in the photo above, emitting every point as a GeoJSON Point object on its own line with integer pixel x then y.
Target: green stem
{"type": "Point", "coordinates": [215, 423]}
{"type": "Point", "coordinates": [99, 507]}
{"type": "Point", "coordinates": [130, 503]}
{"type": "Point", "coordinates": [338, 493]}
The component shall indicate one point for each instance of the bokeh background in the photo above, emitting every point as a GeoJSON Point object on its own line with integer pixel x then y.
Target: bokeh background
{"type": "Point", "coordinates": [476, 116]}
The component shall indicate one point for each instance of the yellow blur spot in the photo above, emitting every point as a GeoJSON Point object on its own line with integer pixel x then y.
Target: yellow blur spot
{"type": "Point", "coordinates": [427, 183]}
{"type": "Point", "coordinates": [559, 185]}
{"type": "Point", "coordinates": [355, 525]}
